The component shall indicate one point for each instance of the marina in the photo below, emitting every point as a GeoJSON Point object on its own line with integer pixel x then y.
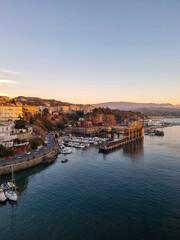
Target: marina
{"type": "Point", "coordinates": [66, 143]}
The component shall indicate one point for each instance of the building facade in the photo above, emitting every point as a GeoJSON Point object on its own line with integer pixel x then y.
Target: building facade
{"type": "Point", "coordinates": [31, 109]}
{"type": "Point", "coordinates": [6, 134]}
{"type": "Point", "coordinates": [10, 112]}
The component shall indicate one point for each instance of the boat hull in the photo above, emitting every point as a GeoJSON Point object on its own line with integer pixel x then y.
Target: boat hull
{"type": "Point", "coordinates": [11, 195]}
{"type": "Point", "coordinates": [3, 197]}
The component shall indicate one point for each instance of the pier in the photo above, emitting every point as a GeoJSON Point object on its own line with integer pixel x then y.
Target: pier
{"type": "Point", "coordinates": [133, 132]}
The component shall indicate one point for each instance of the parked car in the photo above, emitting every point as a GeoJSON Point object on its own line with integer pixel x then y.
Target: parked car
{"type": "Point", "coordinates": [9, 157]}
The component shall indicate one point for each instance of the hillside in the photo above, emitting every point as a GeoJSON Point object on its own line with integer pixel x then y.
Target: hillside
{"type": "Point", "coordinates": [113, 117]}
{"type": "Point", "coordinates": [36, 101]}
{"type": "Point", "coordinates": [134, 105]}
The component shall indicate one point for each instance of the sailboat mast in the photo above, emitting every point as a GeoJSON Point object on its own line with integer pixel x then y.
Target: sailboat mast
{"type": "Point", "coordinates": [12, 174]}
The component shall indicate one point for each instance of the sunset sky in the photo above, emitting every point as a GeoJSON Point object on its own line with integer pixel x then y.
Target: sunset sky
{"type": "Point", "coordinates": [89, 51]}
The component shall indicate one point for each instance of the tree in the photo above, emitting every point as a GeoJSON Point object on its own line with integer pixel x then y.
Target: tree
{"type": "Point", "coordinates": [17, 141]}
{"type": "Point", "coordinates": [31, 120]}
{"type": "Point", "coordinates": [5, 152]}
{"type": "Point", "coordinates": [45, 111]}
{"type": "Point", "coordinates": [13, 101]}
{"type": "Point", "coordinates": [35, 143]}
{"type": "Point", "coordinates": [60, 126]}
{"type": "Point", "coordinates": [47, 124]}
{"type": "Point", "coordinates": [20, 124]}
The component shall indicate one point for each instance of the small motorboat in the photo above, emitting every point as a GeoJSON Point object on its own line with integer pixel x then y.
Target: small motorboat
{"type": "Point", "coordinates": [159, 133]}
{"type": "Point", "coordinates": [3, 197]}
{"type": "Point", "coordinates": [65, 161]}
{"type": "Point", "coordinates": [152, 134]}
{"type": "Point", "coordinates": [11, 195]}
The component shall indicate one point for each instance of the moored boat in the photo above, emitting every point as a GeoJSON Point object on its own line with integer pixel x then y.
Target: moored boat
{"type": "Point", "coordinates": [3, 197]}
{"type": "Point", "coordinates": [159, 133]}
{"type": "Point", "coordinates": [66, 150]}
{"type": "Point", "coordinates": [64, 161]}
{"type": "Point", "coordinates": [11, 195]}
{"type": "Point", "coordinates": [11, 185]}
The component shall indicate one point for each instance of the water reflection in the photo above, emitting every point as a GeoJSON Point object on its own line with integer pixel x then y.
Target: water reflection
{"type": "Point", "coordinates": [135, 150]}
{"type": "Point", "coordinates": [22, 178]}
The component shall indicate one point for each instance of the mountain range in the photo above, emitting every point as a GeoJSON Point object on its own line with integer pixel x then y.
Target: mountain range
{"type": "Point", "coordinates": [150, 109]}
{"type": "Point", "coordinates": [135, 106]}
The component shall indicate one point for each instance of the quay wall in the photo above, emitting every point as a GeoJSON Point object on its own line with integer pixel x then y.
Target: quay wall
{"type": "Point", "coordinates": [28, 162]}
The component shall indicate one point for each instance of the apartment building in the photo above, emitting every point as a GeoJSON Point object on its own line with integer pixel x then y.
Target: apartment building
{"type": "Point", "coordinates": [10, 112]}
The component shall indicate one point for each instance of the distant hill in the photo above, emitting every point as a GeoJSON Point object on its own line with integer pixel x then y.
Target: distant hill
{"type": "Point", "coordinates": [134, 105]}
{"type": "Point", "coordinates": [150, 109]}
{"type": "Point", "coordinates": [164, 112]}
{"type": "Point", "coordinates": [36, 101]}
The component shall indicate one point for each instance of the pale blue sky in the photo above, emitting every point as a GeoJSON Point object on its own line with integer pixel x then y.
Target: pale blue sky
{"type": "Point", "coordinates": [89, 51]}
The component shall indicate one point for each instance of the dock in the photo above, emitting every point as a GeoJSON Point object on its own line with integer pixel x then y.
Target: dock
{"type": "Point", "coordinates": [133, 132]}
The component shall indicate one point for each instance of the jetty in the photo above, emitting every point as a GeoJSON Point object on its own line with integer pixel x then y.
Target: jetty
{"type": "Point", "coordinates": [131, 133]}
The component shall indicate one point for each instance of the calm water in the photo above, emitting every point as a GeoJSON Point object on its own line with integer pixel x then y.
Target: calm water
{"type": "Point", "coordinates": [132, 193]}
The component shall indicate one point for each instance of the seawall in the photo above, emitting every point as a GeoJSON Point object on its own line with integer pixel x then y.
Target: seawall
{"type": "Point", "coordinates": [28, 162]}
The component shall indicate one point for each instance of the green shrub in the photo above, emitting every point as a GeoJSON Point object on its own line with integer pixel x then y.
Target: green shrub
{"type": "Point", "coordinates": [35, 143]}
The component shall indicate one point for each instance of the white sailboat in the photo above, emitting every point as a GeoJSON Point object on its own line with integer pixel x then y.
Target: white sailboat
{"type": "Point", "coordinates": [11, 195]}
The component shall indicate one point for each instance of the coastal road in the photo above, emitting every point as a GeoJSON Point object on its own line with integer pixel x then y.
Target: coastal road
{"type": "Point", "coordinates": [51, 144]}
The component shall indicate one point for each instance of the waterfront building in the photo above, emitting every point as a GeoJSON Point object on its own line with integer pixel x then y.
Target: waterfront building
{"type": "Point", "coordinates": [10, 112]}
{"type": "Point", "coordinates": [153, 122]}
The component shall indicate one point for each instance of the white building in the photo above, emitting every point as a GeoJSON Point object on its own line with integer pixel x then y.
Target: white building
{"type": "Point", "coordinates": [153, 122]}
{"type": "Point", "coordinates": [6, 134]}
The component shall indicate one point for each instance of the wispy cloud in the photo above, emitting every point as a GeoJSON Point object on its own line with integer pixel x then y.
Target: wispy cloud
{"type": "Point", "coordinates": [7, 81]}
{"type": "Point", "coordinates": [9, 72]}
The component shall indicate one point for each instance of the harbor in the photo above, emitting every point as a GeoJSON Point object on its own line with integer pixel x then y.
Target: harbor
{"type": "Point", "coordinates": [130, 180]}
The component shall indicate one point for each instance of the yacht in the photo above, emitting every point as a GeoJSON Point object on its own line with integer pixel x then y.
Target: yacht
{"type": "Point", "coordinates": [81, 145]}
